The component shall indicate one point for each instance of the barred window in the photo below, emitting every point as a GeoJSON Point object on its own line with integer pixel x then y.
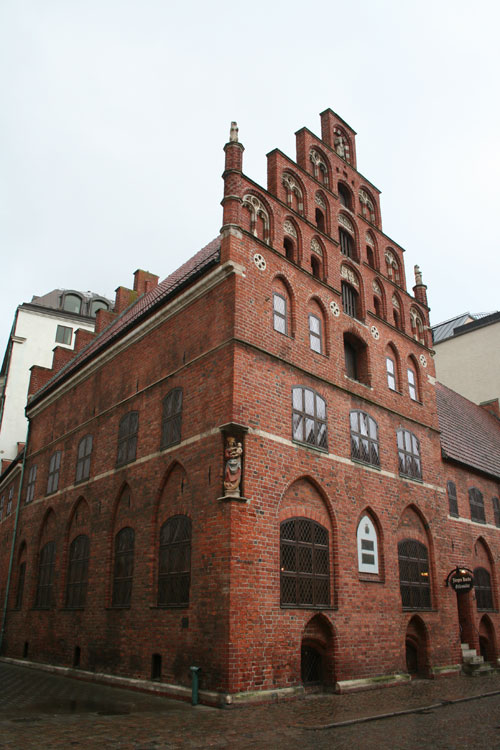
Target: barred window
{"type": "Point", "coordinates": [482, 587]}
{"type": "Point", "coordinates": [83, 459]}
{"type": "Point", "coordinates": [309, 417]}
{"type": "Point", "coordinates": [174, 570]}
{"type": "Point", "coordinates": [391, 373]}
{"type": "Point", "coordinates": [315, 339]}
{"type": "Point", "coordinates": [305, 566]}
{"type": "Point", "coordinates": [46, 564]}
{"type": "Point", "coordinates": [410, 464]}
{"type": "Point", "coordinates": [20, 585]}
{"type": "Point", "coordinates": [127, 438]}
{"type": "Point", "coordinates": [414, 576]}
{"type": "Point", "coordinates": [364, 438]}
{"type": "Point", "coordinates": [349, 300]}
{"type": "Point", "coordinates": [279, 313]}
{"type": "Point", "coordinates": [476, 503]}
{"type": "Point", "coordinates": [76, 586]}
{"type": "Point", "coordinates": [30, 488]}
{"type": "Point", "coordinates": [496, 510]}
{"type": "Point", "coordinates": [367, 546]}
{"type": "Point", "coordinates": [452, 499]}
{"type": "Point", "coordinates": [172, 418]}
{"type": "Point", "coordinates": [346, 244]}
{"type": "Point", "coordinates": [54, 469]}
{"type": "Point", "coordinates": [123, 568]}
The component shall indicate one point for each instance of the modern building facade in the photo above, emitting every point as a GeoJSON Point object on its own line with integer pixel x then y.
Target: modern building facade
{"type": "Point", "coordinates": [242, 469]}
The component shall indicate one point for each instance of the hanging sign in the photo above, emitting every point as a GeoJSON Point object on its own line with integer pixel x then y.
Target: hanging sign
{"type": "Point", "coordinates": [461, 580]}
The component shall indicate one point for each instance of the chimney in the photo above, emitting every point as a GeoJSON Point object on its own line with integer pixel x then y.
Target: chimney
{"type": "Point", "coordinates": [492, 406]}
{"type": "Point", "coordinates": [144, 281]}
{"type": "Point", "coordinates": [124, 298]}
{"type": "Point", "coordinates": [82, 338]}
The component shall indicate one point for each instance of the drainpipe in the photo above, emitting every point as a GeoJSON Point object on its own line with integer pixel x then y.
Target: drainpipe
{"type": "Point", "coordinates": [195, 677]}
{"type": "Point", "coordinates": [14, 535]}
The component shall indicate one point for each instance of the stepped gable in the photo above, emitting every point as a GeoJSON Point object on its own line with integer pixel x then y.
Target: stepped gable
{"type": "Point", "coordinates": [469, 434]}
{"type": "Point", "coordinates": [185, 274]}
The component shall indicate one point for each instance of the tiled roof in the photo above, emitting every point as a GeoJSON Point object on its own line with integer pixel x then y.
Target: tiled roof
{"type": "Point", "coordinates": [469, 433]}
{"type": "Point", "coordinates": [177, 280]}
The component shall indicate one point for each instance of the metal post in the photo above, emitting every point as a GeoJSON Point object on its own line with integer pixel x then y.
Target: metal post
{"type": "Point", "coordinates": [194, 684]}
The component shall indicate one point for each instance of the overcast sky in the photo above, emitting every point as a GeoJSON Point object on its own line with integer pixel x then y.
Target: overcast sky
{"type": "Point", "coordinates": [115, 113]}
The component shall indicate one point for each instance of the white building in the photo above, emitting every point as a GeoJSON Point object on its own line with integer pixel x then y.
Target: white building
{"type": "Point", "coordinates": [39, 326]}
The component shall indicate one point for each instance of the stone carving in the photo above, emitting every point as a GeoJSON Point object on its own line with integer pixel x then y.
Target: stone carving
{"type": "Point", "coordinates": [418, 275]}
{"type": "Point", "coordinates": [423, 360]}
{"type": "Point", "coordinates": [233, 133]}
{"type": "Point", "coordinates": [293, 188]}
{"type": "Point", "coordinates": [320, 201]}
{"type": "Point", "coordinates": [232, 472]}
{"type": "Point", "coordinates": [374, 332]}
{"type": "Point", "coordinates": [392, 265]}
{"type": "Point", "coordinates": [335, 308]}
{"type": "Point", "coordinates": [376, 288]}
{"type": "Point", "coordinates": [260, 261]}
{"type": "Point", "coordinates": [349, 276]}
{"type": "Point", "coordinates": [316, 247]}
{"type": "Point", "coordinates": [257, 210]}
{"type": "Point", "coordinates": [367, 207]}
{"type": "Point", "coordinates": [369, 239]}
{"type": "Point", "coordinates": [289, 228]}
{"type": "Point", "coordinates": [395, 301]}
{"type": "Point", "coordinates": [346, 223]}
{"type": "Point", "coordinates": [319, 165]}
{"type": "Point", "coordinates": [341, 145]}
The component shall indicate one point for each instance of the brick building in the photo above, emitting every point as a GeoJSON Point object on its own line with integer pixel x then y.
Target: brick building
{"type": "Point", "coordinates": [242, 469]}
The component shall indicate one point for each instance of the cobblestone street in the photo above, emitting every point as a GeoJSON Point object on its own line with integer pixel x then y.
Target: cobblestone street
{"type": "Point", "coordinates": [41, 710]}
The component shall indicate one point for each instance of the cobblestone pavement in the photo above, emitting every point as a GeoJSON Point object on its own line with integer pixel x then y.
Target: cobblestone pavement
{"type": "Point", "coordinates": [41, 710]}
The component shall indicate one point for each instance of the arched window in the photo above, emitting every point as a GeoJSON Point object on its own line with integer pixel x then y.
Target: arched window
{"type": "Point", "coordinates": [410, 464]}
{"type": "Point", "coordinates": [417, 325]}
{"type": "Point", "coordinates": [315, 333]}
{"type": "Point", "coordinates": [344, 196]}
{"type": "Point", "coordinates": [97, 304]}
{"type": "Point", "coordinates": [320, 169]}
{"type": "Point", "coordinates": [289, 248]}
{"type": "Point", "coordinates": [54, 469]}
{"type": "Point", "coordinates": [46, 563]}
{"type": "Point", "coordinates": [320, 220]}
{"type": "Point", "coordinates": [309, 417]}
{"type": "Point", "coordinates": [482, 588]}
{"type": "Point", "coordinates": [367, 206]}
{"type": "Point", "coordinates": [78, 568]}
{"type": "Point", "coordinates": [412, 382]}
{"type": "Point", "coordinates": [364, 438]}
{"type": "Point", "coordinates": [72, 303]}
{"type": "Point", "coordinates": [367, 546]}
{"type": "Point", "coordinates": [123, 568]}
{"type": "Point", "coordinates": [476, 502]}
{"type": "Point", "coordinates": [259, 217]}
{"type": "Point", "coordinates": [414, 575]}
{"type": "Point", "coordinates": [294, 197]}
{"type": "Point", "coordinates": [391, 373]}
{"type": "Point", "coordinates": [127, 438]}
{"type": "Point", "coordinates": [280, 313]}
{"type": "Point", "coordinates": [397, 315]}
{"type": "Point", "coordinates": [171, 418]}
{"type": "Point", "coordinates": [304, 567]}
{"type": "Point", "coordinates": [349, 300]}
{"type": "Point", "coordinates": [174, 569]}
{"type": "Point", "coordinates": [83, 458]}
{"type": "Point", "coordinates": [316, 267]}
{"type": "Point", "coordinates": [496, 510]}
{"type": "Point", "coordinates": [452, 499]}
{"type": "Point", "coordinates": [355, 358]}
{"type": "Point", "coordinates": [392, 266]}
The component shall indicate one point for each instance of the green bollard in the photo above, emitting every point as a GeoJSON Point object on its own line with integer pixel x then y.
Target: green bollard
{"type": "Point", "coordinates": [194, 684]}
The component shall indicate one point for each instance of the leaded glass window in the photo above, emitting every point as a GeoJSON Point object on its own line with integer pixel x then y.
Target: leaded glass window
{"type": "Point", "coordinates": [54, 469]}
{"type": "Point", "coordinates": [414, 575]}
{"type": "Point", "coordinates": [496, 510]}
{"type": "Point", "coordinates": [482, 588]}
{"type": "Point", "coordinates": [174, 570]}
{"type": "Point", "coordinates": [476, 502]}
{"type": "Point", "coordinates": [123, 567]}
{"type": "Point", "coordinates": [76, 586]}
{"type": "Point", "coordinates": [46, 564]}
{"type": "Point", "coordinates": [171, 418]}
{"type": "Point", "coordinates": [83, 458]}
{"type": "Point", "coordinates": [127, 438]}
{"type": "Point", "coordinates": [364, 438]}
{"type": "Point", "coordinates": [305, 567]}
{"type": "Point", "coordinates": [410, 464]}
{"type": "Point", "coordinates": [309, 417]}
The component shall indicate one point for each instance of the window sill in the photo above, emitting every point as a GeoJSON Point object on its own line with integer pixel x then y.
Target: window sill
{"type": "Point", "coordinates": [170, 606]}
{"type": "Point", "coordinates": [71, 609]}
{"type": "Point", "coordinates": [82, 481]}
{"type": "Point", "coordinates": [314, 607]}
{"type": "Point", "coordinates": [371, 578]}
{"type": "Point", "coordinates": [359, 382]}
{"type": "Point", "coordinates": [315, 448]}
{"type": "Point", "coordinates": [412, 479]}
{"type": "Point", "coordinates": [170, 445]}
{"type": "Point", "coordinates": [118, 607]}
{"type": "Point", "coordinates": [419, 609]}
{"type": "Point", "coordinates": [42, 609]}
{"type": "Point", "coordinates": [365, 463]}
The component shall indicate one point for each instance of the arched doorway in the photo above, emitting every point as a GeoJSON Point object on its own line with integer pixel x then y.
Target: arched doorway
{"type": "Point", "coordinates": [316, 653]}
{"type": "Point", "coordinates": [417, 648]}
{"type": "Point", "coordinates": [487, 641]}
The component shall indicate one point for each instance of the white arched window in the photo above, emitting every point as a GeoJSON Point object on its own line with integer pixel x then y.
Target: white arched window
{"type": "Point", "coordinates": [367, 546]}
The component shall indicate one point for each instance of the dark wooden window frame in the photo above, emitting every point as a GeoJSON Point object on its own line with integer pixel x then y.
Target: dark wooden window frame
{"type": "Point", "coordinates": [304, 564]}
{"type": "Point", "coordinates": [409, 459]}
{"type": "Point", "coordinates": [414, 575]}
{"type": "Point", "coordinates": [54, 470]}
{"type": "Point", "coordinates": [84, 454]}
{"type": "Point", "coordinates": [174, 562]}
{"type": "Point", "coordinates": [452, 498]}
{"type": "Point", "coordinates": [309, 419]}
{"type": "Point", "coordinates": [46, 566]}
{"type": "Point", "coordinates": [123, 568]}
{"type": "Point", "coordinates": [483, 590]}
{"type": "Point", "coordinates": [127, 438]}
{"type": "Point", "coordinates": [21, 577]}
{"type": "Point", "coordinates": [171, 423]}
{"type": "Point", "coordinates": [349, 300]}
{"type": "Point", "coordinates": [78, 567]}
{"type": "Point", "coordinates": [476, 503]}
{"type": "Point", "coordinates": [364, 438]}
{"type": "Point", "coordinates": [496, 510]}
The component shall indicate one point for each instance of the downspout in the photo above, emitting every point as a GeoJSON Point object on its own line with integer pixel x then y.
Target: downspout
{"type": "Point", "coordinates": [14, 535]}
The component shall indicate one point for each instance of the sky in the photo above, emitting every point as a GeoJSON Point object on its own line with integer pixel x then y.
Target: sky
{"type": "Point", "coordinates": [115, 114]}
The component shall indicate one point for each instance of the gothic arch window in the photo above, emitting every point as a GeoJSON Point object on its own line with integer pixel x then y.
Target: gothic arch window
{"type": "Point", "coordinates": [290, 240]}
{"type": "Point", "coordinates": [259, 217]}
{"type": "Point", "coordinates": [78, 568]}
{"type": "Point", "coordinates": [309, 418]}
{"type": "Point", "coordinates": [317, 259]}
{"type": "Point", "coordinates": [294, 192]}
{"type": "Point", "coordinates": [476, 502]}
{"type": "Point", "coordinates": [347, 237]}
{"type": "Point", "coordinates": [45, 583]}
{"type": "Point", "coordinates": [123, 571]}
{"type": "Point", "coordinates": [356, 358]}
{"type": "Point", "coordinates": [413, 384]}
{"type": "Point", "coordinates": [321, 212]}
{"type": "Point", "coordinates": [171, 423]}
{"type": "Point", "coordinates": [319, 167]}
{"type": "Point", "coordinates": [452, 498]}
{"type": "Point", "coordinates": [367, 206]}
{"type": "Point", "coordinates": [496, 510]}
{"type": "Point", "coordinates": [127, 438]}
{"type": "Point", "coordinates": [84, 454]}
{"type": "Point", "coordinates": [364, 438]}
{"type": "Point", "coordinates": [392, 266]}
{"type": "Point", "coordinates": [482, 589]}
{"type": "Point", "coordinates": [367, 546]}
{"type": "Point", "coordinates": [54, 470]}
{"type": "Point", "coordinates": [417, 325]}
{"type": "Point", "coordinates": [21, 576]}
{"type": "Point", "coordinates": [371, 251]}
{"type": "Point", "coordinates": [414, 574]}
{"type": "Point", "coordinates": [397, 313]}
{"type": "Point", "coordinates": [304, 564]}
{"type": "Point", "coordinates": [392, 368]}
{"type": "Point", "coordinates": [409, 461]}
{"type": "Point", "coordinates": [345, 196]}
{"type": "Point", "coordinates": [282, 308]}
{"type": "Point", "coordinates": [378, 302]}
{"type": "Point", "coordinates": [174, 568]}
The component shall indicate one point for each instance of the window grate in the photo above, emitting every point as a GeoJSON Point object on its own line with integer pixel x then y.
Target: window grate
{"type": "Point", "coordinates": [46, 565]}
{"type": "Point", "coordinates": [305, 567]}
{"type": "Point", "coordinates": [76, 586]}
{"type": "Point", "coordinates": [476, 502]}
{"type": "Point", "coordinates": [482, 588]}
{"type": "Point", "coordinates": [414, 576]}
{"type": "Point", "coordinates": [174, 573]}
{"type": "Point", "coordinates": [452, 499]}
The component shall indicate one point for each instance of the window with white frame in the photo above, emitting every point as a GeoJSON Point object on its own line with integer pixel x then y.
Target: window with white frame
{"type": "Point", "coordinates": [391, 373]}
{"type": "Point", "coordinates": [367, 546]}
{"type": "Point", "coordinates": [412, 384]}
{"type": "Point", "coordinates": [279, 313]}
{"type": "Point", "coordinates": [315, 333]}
